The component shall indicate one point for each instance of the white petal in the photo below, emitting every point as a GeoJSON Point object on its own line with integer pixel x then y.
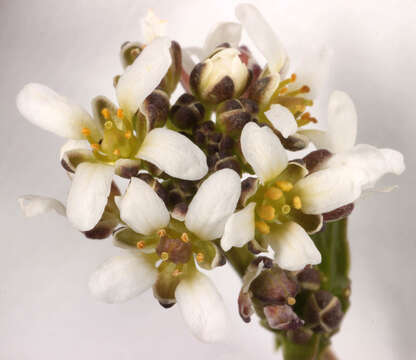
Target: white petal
{"type": "Point", "coordinates": [262, 35]}
{"type": "Point", "coordinates": [144, 75]}
{"type": "Point", "coordinates": [88, 195]}
{"type": "Point", "coordinates": [174, 153]}
{"type": "Point", "coordinates": [263, 151]}
{"type": "Point", "coordinates": [142, 209]}
{"type": "Point", "coordinates": [215, 200]}
{"type": "Point", "coordinates": [73, 145]}
{"type": "Point", "coordinates": [319, 138]}
{"type": "Point", "coordinates": [282, 119]}
{"type": "Point", "coordinates": [342, 122]}
{"type": "Point", "coordinates": [368, 164]}
{"type": "Point", "coordinates": [202, 307]}
{"type": "Point", "coordinates": [122, 278]}
{"type": "Point", "coordinates": [223, 32]}
{"type": "Point", "coordinates": [152, 27]}
{"type": "Point", "coordinates": [293, 247]}
{"type": "Point", "coordinates": [239, 228]}
{"type": "Point", "coordinates": [52, 112]}
{"type": "Point", "coordinates": [33, 205]}
{"type": "Point", "coordinates": [313, 71]}
{"type": "Point", "coordinates": [327, 190]}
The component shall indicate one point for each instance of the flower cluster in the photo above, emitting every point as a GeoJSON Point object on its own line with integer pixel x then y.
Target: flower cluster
{"type": "Point", "coordinates": [209, 173]}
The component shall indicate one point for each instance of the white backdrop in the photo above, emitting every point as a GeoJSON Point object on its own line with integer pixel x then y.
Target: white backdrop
{"type": "Point", "coordinates": [72, 45]}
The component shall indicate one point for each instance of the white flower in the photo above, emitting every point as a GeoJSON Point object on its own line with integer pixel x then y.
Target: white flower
{"type": "Point", "coordinates": [285, 199]}
{"type": "Point", "coordinates": [366, 163]}
{"type": "Point", "coordinates": [124, 277]}
{"type": "Point", "coordinates": [152, 27]}
{"type": "Point", "coordinates": [170, 151]}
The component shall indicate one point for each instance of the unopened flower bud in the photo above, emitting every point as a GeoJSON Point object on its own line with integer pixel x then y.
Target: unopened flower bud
{"type": "Point", "coordinates": [263, 89]}
{"type": "Point", "coordinates": [220, 77]}
{"type": "Point", "coordinates": [187, 112]}
{"type": "Point", "coordinates": [180, 191]}
{"type": "Point", "coordinates": [233, 114]}
{"type": "Point", "coordinates": [156, 109]}
{"type": "Point", "coordinates": [323, 312]}
{"type": "Point", "coordinates": [309, 279]}
{"type": "Point", "coordinates": [129, 52]}
{"type": "Point", "coordinates": [274, 287]}
{"type": "Point", "coordinates": [230, 162]}
{"type": "Point", "coordinates": [282, 317]}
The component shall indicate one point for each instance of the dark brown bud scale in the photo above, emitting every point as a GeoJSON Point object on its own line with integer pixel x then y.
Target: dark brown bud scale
{"type": "Point", "coordinates": [323, 312]}
{"type": "Point", "coordinates": [156, 109]}
{"type": "Point", "coordinates": [274, 287]}
{"type": "Point", "coordinates": [187, 112]}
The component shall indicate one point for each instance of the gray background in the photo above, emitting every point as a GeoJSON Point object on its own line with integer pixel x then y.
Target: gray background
{"type": "Point", "coordinates": [72, 46]}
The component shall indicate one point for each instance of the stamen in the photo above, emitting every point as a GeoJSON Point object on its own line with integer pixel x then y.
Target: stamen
{"type": "Point", "coordinates": [297, 202]}
{"type": "Point", "coordinates": [266, 212]}
{"type": "Point", "coordinates": [200, 257]}
{"type": "Point", "coordinates": [127, 134]}
{"type": "Point", "coordinates": [283, 90]}
{"type": "Point", "coordinates": [291, 300]}
{"type": "Point", "coordinates": [116, 152]}
{"type": "Point", "coordinates": [85, 131]}
{"type": "Point", "coordinates": [286, 209]}
{"type": "Point", "coordinates": [164, 256]}
{"type": "Point", "coordinates": [285, 185]}
{"type": "Point", "coordinates": [274, 193]}
{"type": "Point", "coordinates": [293, 77]}
{"type": "Point", "coordinates": [262, 227]}
{"type": "Point", "coordinates": [105, 113]}
{"type": "Point", "coordinates": [95, 147]}
{"type": "Point", "coordinates": [108, 124]}
{"type": "Point", "coordinates": [161, 233]}
{"type": "Point", "coordinates": [185, 237]}
{"type": "Point", "coordinates": [120, 113]}
{"type": "Point", "coordinates": [140, 244]}
{"type": "Point", "coordinates": [303, 90]}
{"type": "Point", "coordinates": [306, 118]}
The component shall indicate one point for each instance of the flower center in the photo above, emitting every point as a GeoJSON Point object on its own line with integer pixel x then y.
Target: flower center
{"type": "Point", "coordinates": [119, 139]}
{"type": "Point", "coordinates": [275, 205]}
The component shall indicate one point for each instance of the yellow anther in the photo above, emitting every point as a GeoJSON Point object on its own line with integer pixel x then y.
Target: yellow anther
{"type": "Point", "coordinates": [283, 90]}
{"type": "Point", "coordinates": [164, 256]}
{"type": "Point", "coordinates": [200, 257]}
{"type": "Point", "coordinates": [176, 273]}
{"type": "Point", "coordinates": [262, 227]}
{"type": "Point", "coordinates": [274, 193]}
{"type": "Point", "coordinates": [108, 124]}
{"type": "Point", "coordinates": [293, 78]}
{"type": "Point", "coordinates": [95, 147]}
{"type": "Point", "coordinates": [120, 113]}
{"type": "Point", "coordinates": [286, 209]}
{"type": "Point", "coordinates": [161, 233]}
{"type": "Point", "coordinates": [127, 134]}
{"type": "Point", "coordinates": [297, 202]}
{"type": "Point", "coordinates": [140, 244]}
{"type": "Point", "coordinates": [305, 89]}
{"type": "Point", "coordinates": [285, 185]}
{"type": "Point", "coordinates": [266, 212]}
{"type": "Point", "coordinates": [185, 237]}
{"type": "Point", "coordinates": [116, 152]}
{"type": "Point", "coordinates": [85, 131]}
{"type": "Point", "coordinates": [105, 113]}
{"type": "Point", "coordinates": [291, 300]}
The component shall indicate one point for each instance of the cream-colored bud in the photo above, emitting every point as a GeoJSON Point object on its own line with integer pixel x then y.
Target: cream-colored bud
{"type": "Point", "coordinates": [222, 76]}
